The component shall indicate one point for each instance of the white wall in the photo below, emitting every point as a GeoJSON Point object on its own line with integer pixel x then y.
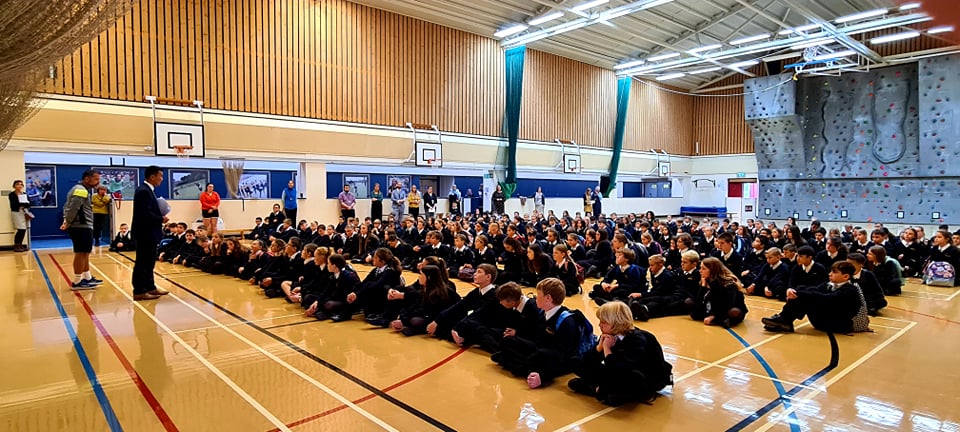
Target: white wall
{"type": "Point", "coordinates": [11, 168]}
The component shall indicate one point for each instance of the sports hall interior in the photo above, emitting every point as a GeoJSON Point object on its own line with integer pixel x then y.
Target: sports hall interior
{"type": "Point", "coordinates": [839, 110]}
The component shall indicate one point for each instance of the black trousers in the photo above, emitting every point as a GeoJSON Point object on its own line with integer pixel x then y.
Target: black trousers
{"type": "Point", "coordinates": [521, 357]}
{"type": "Point", "coordinates": [19, 236]}
{"type": "Point", "coordinates": [292, 215]}
{"type": "Point", "coordinates": [143, 266]}
{"type": "Point", "coordinates": [99, 226]}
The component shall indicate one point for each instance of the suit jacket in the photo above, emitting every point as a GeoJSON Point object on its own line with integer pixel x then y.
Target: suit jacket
{"type": "Point", "coordinates": [663, 285]}
{"type": "Point", "coordinates": [773, 279]}
{"type": "Point", "coordinates": [734, 263]}
{"type": "Point", "coordinates": [800, 279]}
{"type": "Point", "coordinates": [147, 223]}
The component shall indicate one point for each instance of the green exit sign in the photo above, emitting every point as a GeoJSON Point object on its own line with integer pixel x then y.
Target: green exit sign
{"type": "Point", "coordinates": [741, 174]}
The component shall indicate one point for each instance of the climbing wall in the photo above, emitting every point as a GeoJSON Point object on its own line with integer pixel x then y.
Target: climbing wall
{"type": "Point", "coordinates": [877, 145]}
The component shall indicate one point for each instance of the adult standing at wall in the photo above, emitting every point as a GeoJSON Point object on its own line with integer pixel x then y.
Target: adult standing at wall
{"type": "Point", "coordinates": [78, 222]}
{"type": "Point", "coordinates": [397, 199]}
{"type": "Point", "coordinates": [597, 203]}
{"type": "Point", "coordinates": [467, 203]}
{"type": "Point", "coordinates": [453, 201]}
{"type": "Point", "coordinates": [210, 208]}
{"type": "Point", "coordinates": [101, 214]}
{"type": "Point", "coordinates": [539, 200]}
{"type": "Point", "coordinates": [588, 202]}
{"type": "Point", "coordinates": [376, 203]}
{"type": "Point", "coordinates": [498, 200]}
{"type": "Point", "coordinates": [147, 229]}
{"type": "Point", "coordinates": [347, 202]}
{"type": "Point", "coordinates": [413, 202]}
{"type": "Point", "coordinates": [430, 202]}
{"type": "Point", "coordinates": [20, 212]}
{"type": "Point", "coordinates": [289, 198]}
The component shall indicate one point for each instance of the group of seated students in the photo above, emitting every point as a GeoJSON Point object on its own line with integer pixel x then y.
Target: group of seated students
{"type": "Point", "coordinates": [701, 271]}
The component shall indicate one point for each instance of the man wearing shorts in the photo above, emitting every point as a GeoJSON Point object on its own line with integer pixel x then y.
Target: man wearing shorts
{"type": "Point", "coordinates": [78, 222]}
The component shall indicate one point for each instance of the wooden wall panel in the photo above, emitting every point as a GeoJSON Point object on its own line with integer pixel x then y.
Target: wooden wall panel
{"type": "Point", "coordinates": [658, 119]}
{"type": "Point", "coordinates": [719, 125]}
{"type": "Point", "coordinates": [569, 100]}
{"type": "Point", "coordinates": [329, 59]}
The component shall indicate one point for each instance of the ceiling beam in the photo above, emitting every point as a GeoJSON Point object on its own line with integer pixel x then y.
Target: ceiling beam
{"type": "Point", "coordinates": [832, 30]}
{"type": "Point", "coordinates": [701, 29]}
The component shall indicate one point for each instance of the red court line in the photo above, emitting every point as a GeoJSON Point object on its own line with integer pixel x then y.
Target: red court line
{"type": "Point", "coordinates": [923, 314]}
{"type": "Point", "coordinates": [385, 389]}
{"type": "Point", "coordinates": [131, 371]}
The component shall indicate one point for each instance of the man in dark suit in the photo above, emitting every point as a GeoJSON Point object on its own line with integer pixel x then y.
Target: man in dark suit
{"type": "Point", "coordinates": [147, 231]}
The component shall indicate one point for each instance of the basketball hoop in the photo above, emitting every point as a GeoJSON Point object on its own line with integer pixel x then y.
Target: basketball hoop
{"type": "Point", "coordinates": [434, 163]}
{"type": "Point", "coordinates": [183, 152]}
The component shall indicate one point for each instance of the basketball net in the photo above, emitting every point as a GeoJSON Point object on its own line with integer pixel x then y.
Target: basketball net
{"type": "Point", "coordinates": [183, 153]}
{"type": "Point", "coordinates": [117, 198]}
{"type": "Point", "coordinates": [434, 163]}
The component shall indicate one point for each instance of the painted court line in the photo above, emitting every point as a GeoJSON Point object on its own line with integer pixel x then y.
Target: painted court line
{"type": "Point", "coordinates": [781, 391]}
{"type": "Point", "coordinates": [840, 375]}
{"type": "Point", "coordinates": [683, 377]}
{"type": "Point", "coordinates": [738, 370]}
{"type": "Point", "coordinates": [236, 388]}
{"type": "Point", "coordinates": [923, 314]}
{"type": "Point", "coordinates": [926, 292]}
{"type": "Point", "coordinates": [240, 323]}
{"type": "Point", "coordinates": [148, 395]}
{"type": "Point", "coordinates": [105, 407]}
{"type": "Point", "coordinates": [279, 361]}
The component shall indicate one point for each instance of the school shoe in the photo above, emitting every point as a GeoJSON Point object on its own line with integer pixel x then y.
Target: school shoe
{"type": "Point", "coordinates": [84, 284]}
{"type": "Point", "coordinates": [145, 296]}
{"type": "Point", "coordinates": [95, 281]}
{"type": "Point", "coordinates": [340, 317]}
{"type": "Point", "coordinates": [640, 311]}
{"type": "Point", "coordinates": [321, 315]}
{"type": "Point", "coordinates": [777, 324]}
{"type": "Point", "coordinates": [578, 385]}
{"type": "Point", "coordinates": [377, 320]}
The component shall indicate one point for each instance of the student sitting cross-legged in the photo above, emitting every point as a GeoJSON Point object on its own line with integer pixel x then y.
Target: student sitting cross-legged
{"type": "Point", "coordinates": [422, 306]}
{"type": "Point", "coordinates": [123, 242]}
{"type": "Point", "coordinates": [832, 307]}
{"type": "Point", "coordinates": [512, 314]}
{"type": "Point", "coordinates": [343, 281]}
{"type": "Point", "coordinates": [627, 364]}
{"type": "Point", "coordinates": [401, 298]}
{"type": "Point", "coordinates": [484, 293]}
{"type": "Point", "coordinates": [720, 301]}
{"type": "Point", "coordinates": [304, 274]}
{"type": "Point", "coordinates": [868, 283]}
{"type": "Point", "coordinates": [807, 273]}
{"type": "Point", "coordinates": [314, 285]}
{"type": "Point", "coordinates": [772, 279]}
{"type": "Point", "coordinates": [371, 295]}
{"type": "Point", "coordinates": [552, 347]}
{"type": "Point", "coordinates": [622, 280]}
{"type": "Point", "coordinates": [565, 269]}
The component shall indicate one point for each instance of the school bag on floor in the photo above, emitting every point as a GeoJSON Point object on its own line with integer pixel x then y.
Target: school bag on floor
{"type": "Point", "coordinates": [939, 273]}
{"type": "Point", "coordinates": [588, 340]}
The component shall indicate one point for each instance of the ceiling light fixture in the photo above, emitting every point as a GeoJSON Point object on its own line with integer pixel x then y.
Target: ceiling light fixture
{"type": "Point", "coordinates": [801, 29]}
{"type": "Point", "coordinates": [655, 4]}
{"type": "Point", "coordinates": [834, 56]}
{"type": "Point", "coordinates": [671, 76]}
{"type": "Point", "coordinates": [812, 43]}
{"type": "Point", "coordinates": [749, 39]}
{"type": "Point", "coordinates": [744, 64]}
{"type": "Point", "coordinates": [663, 57]}
{"type": "Point", "coordinates": [512, 30]}
{"type": "Point", "coordinates": [909, 6]}
{"type": "Point", "coordinates": [940, 29]}
{"type": "Point", "coordinates": [589, 5]}
{"type": "Point", "coordinates": [705, 48]}
{"type": "Point", "coordinates": [783, 56]}
{"type": "Point", "coordinates": [861, 16]}
{"type": "Point", "coordinates": [545, 18]}
{"type": "Point", "coordinates": [704, 70]}
{"type": "Point", "coordinates": [629, 64]}
{"type": "Point", "coordinates": [894, 37]}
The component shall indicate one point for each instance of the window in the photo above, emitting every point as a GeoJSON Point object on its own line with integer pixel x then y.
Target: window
{"type": "Point", "coordinates": [656, 189]}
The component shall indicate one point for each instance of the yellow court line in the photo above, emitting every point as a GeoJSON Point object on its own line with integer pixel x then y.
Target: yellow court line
{"type": "Point", "coordinates": [281, 362]}
{"type": "Point", "coordinates": [766, 377]}
{"type": "Point", "coordinates": [681, 378]}
{"type": "Point", "coordinates": [240, 323]}
{"type": "Point", "coordinates": [955, 293]}
{"type": "Point", "coordinates": [233, 385]}
{"type": "Point", "coordinates": [785, 413]}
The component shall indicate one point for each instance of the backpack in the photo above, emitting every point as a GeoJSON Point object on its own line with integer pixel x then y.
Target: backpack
{"type": "Point", "coordinates": [580, 273]}
{"type": "Point", "coordinates": [588, 340]}
{"type": "Point", "coordinates": [939, 273]}
{"type": "Point", "coordinates": [861, 321]}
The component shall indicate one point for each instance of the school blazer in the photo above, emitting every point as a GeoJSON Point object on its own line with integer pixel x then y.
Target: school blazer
{"type": "Point", "coordinates": [800, 279]}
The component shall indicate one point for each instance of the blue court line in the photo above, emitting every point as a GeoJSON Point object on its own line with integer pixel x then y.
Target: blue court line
{"type": "Point", "coordinates": [105, 406]}
{"type": "Point", "coordinates": [834, 361]}
{"type": "Point", "coordinates": [782, 399]}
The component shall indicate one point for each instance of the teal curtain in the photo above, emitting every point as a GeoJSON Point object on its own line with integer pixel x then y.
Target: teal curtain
{"type": "Point", "coordinates": [623, 102]}
{"type": "Point", "coordinates": [514, 72]}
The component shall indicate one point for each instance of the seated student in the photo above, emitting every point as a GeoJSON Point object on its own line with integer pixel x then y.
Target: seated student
{"type": "Point", "coordinates": [285, 232]}
{"type": "Point", "coordinates": [720, 300]}
{"type": "Point", "coordinates": [807, 273]}
{"type": "Point", "coordinates": [512, 315]}
{"type": "Point", "coordinates": [367, 243]}
{"type": "Point", "coordinates": [123, 242]}
{"type": "Point", "coordinates": [274, 261]}
{"type": "Point", "coordinates": [257, 258]}
{"type": "Point", "coordinates": [832, 307]}
{"type": "Point", "coordinates": [285, 266]}
{"type": "Point", "coordinates": [662, 295]}
{"type": "Point", "coordinates": [772, 279]}
{"type": "Point", "coordinates": [275, 219]}
{"type": "Point", "coordinates": [215, 252]}
{"type": "Point", "coordinates": [565, 270]}
{"type": "Point", "coordinates": [312, 288]}
{"type": "Point", "coordinates": [462, 255]}
{"type": "Point", "coordinates": [881, 237]}
{"type": "Point", "coordinates": [706, 245]}
{"type": "Point", "coordinates": [725, 253]}
{"type": "Point", "coordinates": [343, 280]}
{"type": "Point", "coordinates": [477, 298]}
{"type": "Point", "coordinates": [818, 242]}
{"type": "Point", "coordinates": [790, 257]}
{"type": "Point", "coordinates": [401, 250]}
{"type": "Point", "coordinates": [538, 266]}
{"type": "Point", "coordinates": [754, 261]}
{"type": "Point", "coordinates": [941, 250]}
{"type": "Point", "coordinates": [233, 259]}
{"type": "Point", "coordinates": [684, 243]}
{"type": "Point", "coordinates": [621, 281]}
{"type": "Point", "coordinates": [577, 251]}
{"type": "Point", "coordinates": [627, 364]}
{"type": "Point", "coordinates": [867, 281]}
{"type": "Point", "coordinates": [552, 348]}
{"type": "Point", "coordinates": [514, 261]}
{"type": "Point", "coordinates": [600, 256]}
{"type": "Point", "coordinates": [911, 259]}
{"type": "Point", "coordinates": [168, 251]}
{"type": "Point", "coordinates": [189, 247]}
{"type": "Point", "coordinates": [886, 269]}
{"type": "Point", "coordinates": [834, 251]}
{"type": "Point", "coordinates": [304, 273]}
{"type": "Point", "coordinates": [424, 305]}
{"type": "Point", "coordinates": [351, 243]}
{"type": "Point", "coordinates": [259, 231]}
{"type": "Point", "coordinates": [371, 295]}
{"type": "Point", "coordinates": [332, 239]}
{"type": "Point", "coordinates": [483, 253]}
{"type": "Point", "coordinates": [433, 247]}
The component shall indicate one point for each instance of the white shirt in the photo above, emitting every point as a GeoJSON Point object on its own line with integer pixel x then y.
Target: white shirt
{"type": "Point", "coordinates": [659, 272]}
{"type": "Point", "coordinates": [520, 306]}
{"type": "Point", "coordinates": [774, 267]}
{"type": "Point", "coordinates": [806, 269]}
{"type": "Point", "coordinates": [550, 313]}
{"type": "Point", "coordinates": [149, 186]}
{"type": "Point", "coordinates": [487, 289]}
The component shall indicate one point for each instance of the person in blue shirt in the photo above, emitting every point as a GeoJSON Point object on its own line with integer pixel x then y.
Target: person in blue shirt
{"type": "Point", "coordinates": [290, 200]}
{"type": "Point", "coordinates": [397, 199]}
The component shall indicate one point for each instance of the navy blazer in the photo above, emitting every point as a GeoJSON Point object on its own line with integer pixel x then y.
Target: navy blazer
{"type": "Point", "coordinates": [147, 223]}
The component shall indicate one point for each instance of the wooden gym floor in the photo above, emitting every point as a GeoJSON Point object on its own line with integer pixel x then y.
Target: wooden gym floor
{"type": "Point", "coordinates": [216, 355]}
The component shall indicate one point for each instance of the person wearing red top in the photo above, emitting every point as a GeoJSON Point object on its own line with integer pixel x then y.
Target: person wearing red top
{"type": "Point", "coordinates": [210, 207]}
